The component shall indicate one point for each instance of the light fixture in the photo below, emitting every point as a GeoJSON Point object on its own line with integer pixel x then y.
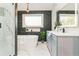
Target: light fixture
{"type": "Point", "coordinates": [27, 7]}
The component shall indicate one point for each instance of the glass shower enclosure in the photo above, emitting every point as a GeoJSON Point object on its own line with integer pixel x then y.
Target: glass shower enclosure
{"type": "Point", "coordinates": [7, 29]}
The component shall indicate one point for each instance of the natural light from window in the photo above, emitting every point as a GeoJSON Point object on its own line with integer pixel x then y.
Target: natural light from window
{"type": "Point", "coordinates": [33, 20]}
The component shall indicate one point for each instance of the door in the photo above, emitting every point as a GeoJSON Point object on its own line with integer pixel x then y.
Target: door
{"type": "Point", "coordinates": [7, 29]}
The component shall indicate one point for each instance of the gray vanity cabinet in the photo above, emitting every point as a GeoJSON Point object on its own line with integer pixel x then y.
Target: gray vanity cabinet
{"type": "Point", "coordinates": [54, 45]}
{"type": "Point", "coordinates": [68, 46]}
{"type": "Point", "coordinates": [51, 43]}
{"type": "Point", "coordinates": [63, 45]}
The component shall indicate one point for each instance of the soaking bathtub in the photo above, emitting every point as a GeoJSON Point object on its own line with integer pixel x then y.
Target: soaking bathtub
{"type": "Point", "coordinates": [26, 44]}
{"type": "Point", "coordinates": [30, 40]}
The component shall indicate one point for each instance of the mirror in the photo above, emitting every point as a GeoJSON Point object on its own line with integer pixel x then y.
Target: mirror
{"type": "Point", "coordinates": [67, 16]}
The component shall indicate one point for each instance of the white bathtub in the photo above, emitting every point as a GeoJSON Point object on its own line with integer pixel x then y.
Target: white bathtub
{"type": "Point", "coordinates": [28, 40]}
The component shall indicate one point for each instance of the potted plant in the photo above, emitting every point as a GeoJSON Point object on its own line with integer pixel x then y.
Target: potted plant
{"type": "Point", "coordinates": [57, 23]}
{"type": "Point", "coordinates": [42, 36]}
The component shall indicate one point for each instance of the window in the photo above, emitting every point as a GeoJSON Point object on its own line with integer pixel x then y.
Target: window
{"type": "Point", "coordinates": [32, 20]}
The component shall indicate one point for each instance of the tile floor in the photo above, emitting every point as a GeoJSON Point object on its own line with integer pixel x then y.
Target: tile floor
{"type": "Point", "coordinates": [40, 50]}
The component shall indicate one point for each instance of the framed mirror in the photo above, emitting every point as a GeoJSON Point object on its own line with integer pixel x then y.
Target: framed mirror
{"type": "Point", "coordinates": [66, 18]}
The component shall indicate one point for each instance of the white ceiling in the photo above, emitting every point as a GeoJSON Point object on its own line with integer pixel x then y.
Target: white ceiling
{"type": "Point", "coordinates": [36, 6]}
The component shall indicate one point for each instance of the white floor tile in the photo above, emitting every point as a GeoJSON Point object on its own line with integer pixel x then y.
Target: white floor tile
{"type": "Point", "coordinates": [40, 50]}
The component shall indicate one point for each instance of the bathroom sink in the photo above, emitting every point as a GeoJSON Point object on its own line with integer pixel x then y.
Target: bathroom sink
{"type": "Point", "coordinates": [74, 33]}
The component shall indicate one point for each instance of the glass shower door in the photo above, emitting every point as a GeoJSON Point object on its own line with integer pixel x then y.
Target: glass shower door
{"type": "Point", "coordinates": [7, 29]}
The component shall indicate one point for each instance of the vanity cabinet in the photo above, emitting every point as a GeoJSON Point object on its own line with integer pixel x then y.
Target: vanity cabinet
{"type": "Point", "coordinates": [63, 45]}
{"type": "Point", "coordinates": [54, 45]}
{"type": "Point", "coordinates": [51, 43]}
{"type": "Point", "coordinates": [68, 45]}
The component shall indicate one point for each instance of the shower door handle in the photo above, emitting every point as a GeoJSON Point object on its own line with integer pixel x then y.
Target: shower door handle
{"type": "Point", "coordinates": [0, 25]}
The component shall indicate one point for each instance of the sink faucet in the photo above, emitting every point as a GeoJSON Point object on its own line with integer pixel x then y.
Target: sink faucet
{"type": "Point", "coordinates": [63, 30]}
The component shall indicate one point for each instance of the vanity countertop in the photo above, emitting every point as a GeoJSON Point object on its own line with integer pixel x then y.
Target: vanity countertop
{"type": "Point", "coordinates": [74, 33]}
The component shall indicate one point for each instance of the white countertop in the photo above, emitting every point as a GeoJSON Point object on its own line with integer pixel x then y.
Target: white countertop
{"type": "Point", "coordinates": [74, 33]}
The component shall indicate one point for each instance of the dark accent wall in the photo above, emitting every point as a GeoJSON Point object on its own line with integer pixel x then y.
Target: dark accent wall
{"type": "Point", "coordinates": [47, 22]}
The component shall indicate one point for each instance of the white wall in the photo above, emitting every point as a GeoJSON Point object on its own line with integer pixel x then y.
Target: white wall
{"type": "Point", "coordinates": [36, 6]}
{"type": "Point", "coordinates": [44, 6]}
{"type": "Point", "coordinates": [54, 7]}
{"type": "Point", "coordinates": [57, 7]}
{"type": "Point", "coordinates": [69, 6]}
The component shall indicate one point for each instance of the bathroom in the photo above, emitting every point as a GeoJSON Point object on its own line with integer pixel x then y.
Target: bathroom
{"type": "Point", "coordinates": [23, 37]}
